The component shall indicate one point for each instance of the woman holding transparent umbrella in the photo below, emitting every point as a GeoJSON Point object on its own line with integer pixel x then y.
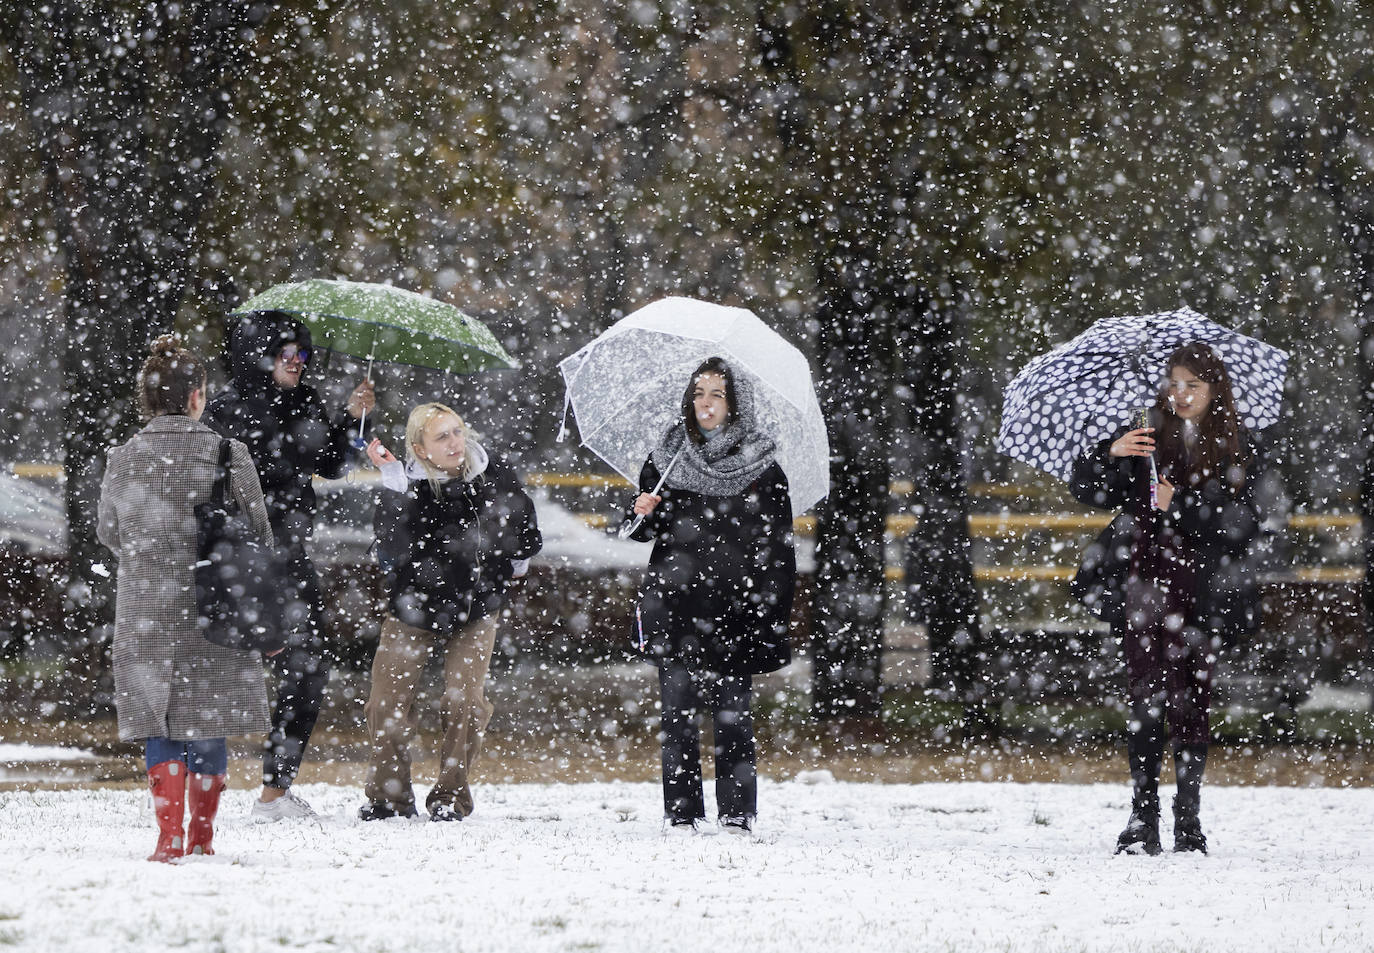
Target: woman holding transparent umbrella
{"type": "Point", "coordinates": [1169, 577]}
{"type": "Point", "coordinates": [718, 592]}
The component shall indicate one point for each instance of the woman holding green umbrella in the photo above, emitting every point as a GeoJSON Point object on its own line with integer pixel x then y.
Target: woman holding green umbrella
{"type": "Point", "coordinates": [291, 436]}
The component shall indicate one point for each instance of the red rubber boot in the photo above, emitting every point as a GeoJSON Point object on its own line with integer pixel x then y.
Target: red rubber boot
{"type": "Point", "coordinates": [167, 781]}
{"type": "Point", "coordinates": [202, 800]}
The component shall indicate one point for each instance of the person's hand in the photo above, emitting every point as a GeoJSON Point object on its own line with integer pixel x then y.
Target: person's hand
{"type": "Point", "coordinates": [645, 503]}
{"type": "Point", "coordinates": [362, 400]}
{"type": "Point", "coordinates": [379, 454]}
{"type": "Point", "coordinates": [1137, 443]}
{"type": "Point", "coordinates": [1164, 494]}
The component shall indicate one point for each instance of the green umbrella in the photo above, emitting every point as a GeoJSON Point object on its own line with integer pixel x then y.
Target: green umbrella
{"type": "Point", "coordinates": [380, 322]}
{"type": "Point", "coordinates": [371, 321]}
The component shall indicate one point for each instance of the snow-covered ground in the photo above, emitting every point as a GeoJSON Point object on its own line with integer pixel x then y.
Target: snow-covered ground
{"type": "Point", "coordinates": [23, 753]}
{"type": "Point", "coordinates": [834, 866]}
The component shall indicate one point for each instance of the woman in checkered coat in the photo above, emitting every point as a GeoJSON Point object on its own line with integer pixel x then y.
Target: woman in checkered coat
{"type": "Point", "coordinates": [179, 693]}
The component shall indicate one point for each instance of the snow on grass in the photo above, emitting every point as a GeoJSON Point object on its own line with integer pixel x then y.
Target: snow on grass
{"type": "Point", "coordinates": [834, 866]}
{"type": "Point", "coordinates": [24, 753]}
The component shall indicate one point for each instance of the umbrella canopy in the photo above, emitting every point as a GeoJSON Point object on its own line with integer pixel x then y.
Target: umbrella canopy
{"type": "Point", "coordinates": [1084, 390]}
{"type": "Point", "coordinates": [625, 387]}
{"type": "Point", "coordinates": [371, 321]}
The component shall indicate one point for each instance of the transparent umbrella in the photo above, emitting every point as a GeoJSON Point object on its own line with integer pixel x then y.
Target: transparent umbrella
{"type": "Point", "coordinates": [625, 387]}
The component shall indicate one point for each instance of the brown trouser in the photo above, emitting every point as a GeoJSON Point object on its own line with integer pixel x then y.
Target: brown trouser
{"type": "Point", "coordinates": [392, 718]}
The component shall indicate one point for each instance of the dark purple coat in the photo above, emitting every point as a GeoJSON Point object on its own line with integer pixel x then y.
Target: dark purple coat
{"type": "Point", "coordinates": [1215, 525]}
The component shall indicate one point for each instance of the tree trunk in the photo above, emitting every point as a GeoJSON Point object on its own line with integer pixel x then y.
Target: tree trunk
{"type": "Point", "coordinates": [853, 343]}
{"type": "Point", "coordinates": [1360, 239]}
{"type": "Point", "coordinates": [127, 104]}
{"type": "Point", "coordinates": [940, 588]}
{"type": "Point", "coordinates": [847, 198]}
{"type": "Point", "coordinates": [1354, 207]}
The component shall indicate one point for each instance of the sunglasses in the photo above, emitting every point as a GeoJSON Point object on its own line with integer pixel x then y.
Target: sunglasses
{"type": "Point", "coordinates": [293, 352]}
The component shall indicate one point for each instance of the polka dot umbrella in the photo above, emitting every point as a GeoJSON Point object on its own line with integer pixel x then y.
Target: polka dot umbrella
{"type": "Point", "coordinates": [1086, 389]}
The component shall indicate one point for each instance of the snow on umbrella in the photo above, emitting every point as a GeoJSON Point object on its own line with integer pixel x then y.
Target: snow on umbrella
{"type": "Point", "coordinates": [368, 321]}
{"type": "Point", "coordinates": [381, 322]}
{"type": "Point", "coordinates": [1086, 389]}
{"type": "Point", "coordinates": [625, 387]}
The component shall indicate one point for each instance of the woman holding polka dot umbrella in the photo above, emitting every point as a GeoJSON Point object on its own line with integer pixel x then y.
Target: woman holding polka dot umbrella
{"type": "Point", "coordinates": [1168, 573]}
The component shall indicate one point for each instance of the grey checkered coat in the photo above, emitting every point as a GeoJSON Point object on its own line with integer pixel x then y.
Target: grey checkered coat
{"type": "Point", "coordinates": [169, 681]}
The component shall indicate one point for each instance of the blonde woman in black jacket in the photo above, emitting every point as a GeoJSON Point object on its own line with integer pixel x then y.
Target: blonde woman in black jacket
{"type": "Point", "coordinates": [454, 526]}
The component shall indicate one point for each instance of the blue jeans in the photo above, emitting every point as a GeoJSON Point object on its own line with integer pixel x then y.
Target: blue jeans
{"type": "Point", "coordinates": [207, 756]}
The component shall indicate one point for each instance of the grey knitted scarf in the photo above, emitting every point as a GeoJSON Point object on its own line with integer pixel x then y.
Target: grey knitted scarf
{"type": "Point", "coordinates": [728, 462]}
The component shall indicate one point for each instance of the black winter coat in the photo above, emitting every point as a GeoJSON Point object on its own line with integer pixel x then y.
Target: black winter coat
{"type": "Point", "coordinates": [1216, 525]}
{"type": "Point", "coordinates": [448, 554]}
{"type": "Point", "coordinates": [718, 592]}
{"type": "Point", "coordinates": [289, 433]}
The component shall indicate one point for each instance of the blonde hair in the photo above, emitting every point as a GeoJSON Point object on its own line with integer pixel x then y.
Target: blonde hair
{"type": "Point", "coordinates": [415, 436]}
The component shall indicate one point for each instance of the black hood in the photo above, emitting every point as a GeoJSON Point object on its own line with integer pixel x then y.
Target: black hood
{"type": "Point", "coordinates": [253, 347]}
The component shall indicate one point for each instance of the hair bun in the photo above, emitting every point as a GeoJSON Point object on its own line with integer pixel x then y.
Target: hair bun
{"type": "Point", "coordinates": [166, 345]}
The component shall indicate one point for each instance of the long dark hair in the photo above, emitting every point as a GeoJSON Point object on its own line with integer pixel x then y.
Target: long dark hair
{"type": "Point", "coordinates": [1220, 452]}
{"type": "Point", "coordinates": [169, 375]}
{"type": "Point", "coordinates": [712, 365]}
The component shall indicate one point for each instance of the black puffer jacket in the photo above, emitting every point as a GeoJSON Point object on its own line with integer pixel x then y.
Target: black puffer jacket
{"type": "Point", "coordinates": [448, 554]}
{"type": "Point", "coordinates": [1214, 523]}
{"type": "Point", "coordinates": [718, 592]}
{"type": "Point", "coordinates": [289, 433]}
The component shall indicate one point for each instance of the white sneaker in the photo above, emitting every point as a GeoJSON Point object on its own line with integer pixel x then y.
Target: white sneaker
{"type": "Point", "coordinates": [287, 807]}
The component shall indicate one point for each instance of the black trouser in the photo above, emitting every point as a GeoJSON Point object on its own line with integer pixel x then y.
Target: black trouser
{"type": "Point", "coordinates": [685, 696]}
{"type": "Point", "coordinates": [302, 671]}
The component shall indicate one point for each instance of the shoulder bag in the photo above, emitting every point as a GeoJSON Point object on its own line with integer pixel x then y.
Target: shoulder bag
{"type": "Point", "coordinates": [239, 597]}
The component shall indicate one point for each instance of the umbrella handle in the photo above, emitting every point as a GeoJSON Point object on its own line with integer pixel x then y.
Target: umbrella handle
{"type": "Point", "coordinates": [628, 527]}
{"type": "Point", "coordinates": [362, 421]}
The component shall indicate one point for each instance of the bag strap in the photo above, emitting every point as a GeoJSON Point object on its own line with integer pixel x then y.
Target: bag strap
{"type": "Point", "coordinates": [220, 492]}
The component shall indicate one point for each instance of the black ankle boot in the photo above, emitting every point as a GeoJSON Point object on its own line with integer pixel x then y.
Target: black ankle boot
{"type": "Point", "coordinates": [1142, 830]}
{"type": "Point", "coordinates": [1189, 763]}
{"type": "Point", "coordinates": [1145, 752]}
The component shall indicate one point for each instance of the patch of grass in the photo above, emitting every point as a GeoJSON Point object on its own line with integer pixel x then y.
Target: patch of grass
{"type": "Point", "coordinates": [910, 715]}
{"type": "Point", "coordinates": [547, 925]}
{"type": "Point", "coordinates": [956, 810]}
{"type": "Point", "coordinates": [1285, 726]}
